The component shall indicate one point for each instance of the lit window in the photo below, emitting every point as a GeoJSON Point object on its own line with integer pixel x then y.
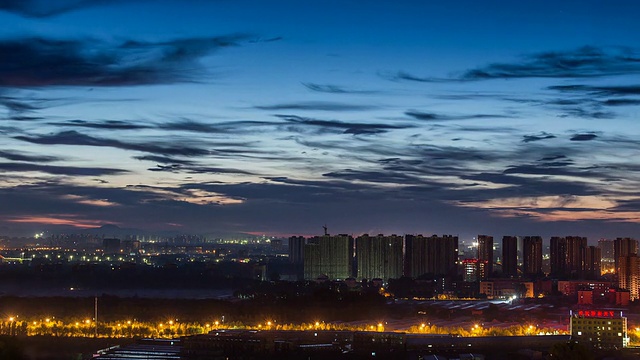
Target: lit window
{"type": "Point", "coordinates": [579, 333]}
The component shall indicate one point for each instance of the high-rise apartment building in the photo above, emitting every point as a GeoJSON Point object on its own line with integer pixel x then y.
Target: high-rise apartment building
{"type": "Point", "coordinates": [607, 261]}
{"type": "Point", "coordinates": [434, 255]}
{"type": "Point", "coordinates": [567, 256]}
{"type": "Point", "coordinates": [379, 256]}
{"type": "Point", "coordinates": [296, 249]}
{"type": "Point", "coordinates": [510, 255]}
{"type": "Point", "coordinates": [485, 252]}
{"type": "Point", "coordinates": [474, 270]}
{"type": "Point", "coordinates": [592, 261]}
{"type": "Point", "coordinates": [330, 255]}
{"type": "Point", "coordinates": [629, 275]}
{"type": "Point", "coordinates": [623, 247]}
{"type": "Point", "coordinates": [532, 255]}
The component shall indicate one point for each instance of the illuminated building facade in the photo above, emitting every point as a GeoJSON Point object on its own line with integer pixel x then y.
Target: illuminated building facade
{"type": "Point", "coordinates": [599, 329]}
{"type": "Point", "coordinates": [474, 270]}
{"type": "Point", "coordinates": [629, 275]}
{"type": "Point", "coordinates": [379, 256]}
{"type": "Point", "coordinates": [607, 256]}
{"type": "Point", "coordinates": [506, 288]}
{"type": "Point", "coordinates": [485, 252]}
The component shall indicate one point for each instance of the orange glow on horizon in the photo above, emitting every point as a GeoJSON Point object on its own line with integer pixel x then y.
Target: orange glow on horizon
{"type": "Point", "coordinates": [47, 220]}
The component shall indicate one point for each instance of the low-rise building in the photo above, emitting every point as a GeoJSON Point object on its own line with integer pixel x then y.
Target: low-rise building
{"type": "Point", "coordinates": [599, 329]}
{"type": "Point", "coordinates": [506, 288]}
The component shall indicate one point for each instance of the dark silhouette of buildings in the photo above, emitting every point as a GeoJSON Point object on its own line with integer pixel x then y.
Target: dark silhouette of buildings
{"type": "Point", "coordinates": [296, 249]}
{"type": "Point", "coordinates": [532, 255]}
{"type": "Point", "coordinates": [330, 256]}
{"type": "Point", "coordinates": [434, 255]}
{"type": "Point", "coordinates": [510, 255]}
{"type": "Point", "coordinates": [111, 246]}
{"type": "Point", "coordinates": [567, 256]}
{"type": "Point", "coordinates": [592, 260]}
{"type": "Point", "coordinates": [379, 256]}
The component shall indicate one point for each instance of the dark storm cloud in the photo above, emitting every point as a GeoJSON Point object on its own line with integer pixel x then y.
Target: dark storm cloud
{"type": "Point", "coordinates": [20, 156]}
{"type": "Point", "coordinates": [46, 8]}
{"type": "Point", "coordinates": [76, 138]}
{"type": "Point", "coordinates": [583, 137]}
{"type": "Point", "coordinates": [59, 170]}
{"type": "Point", "coordinates": [346, 127]}
{"type": "Point", "coordinates": [105, 125]}
{"type": "Point", "coordinates": [37, 62]}
{"type": "Point", "coordinates": [439, 117]}
{"type": "Point", "coordinates": [542, 136]}
{"type": "Point", "coordinates": [318, 106]}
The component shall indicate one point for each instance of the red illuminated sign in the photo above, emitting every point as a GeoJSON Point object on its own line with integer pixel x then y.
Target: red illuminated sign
{"type": "Point", "coordinates": [596, 313]}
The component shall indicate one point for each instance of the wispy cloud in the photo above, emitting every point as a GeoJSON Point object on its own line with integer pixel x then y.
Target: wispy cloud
{"type": "Point", "coordinates": [354, 128]}
{"type": "Point", "coordinates": [59, 170]}
{"type": "Point", "coordinates": [587, 61]}
{"type": "Point", "coordinates": [76, 138]}
{"type": "Point", "coordinates": [583, 62]}
{"type": "Point", "coordinates": [428, 116]}
{"type": "Point", "coordinates": [46, 8]}
{"type": "Point", "coordinates": [318, 106]}
{"type": "Point", "coordinates": [21, 156]}
{"type": "Point", "coordinates": [37, 61]}
{"type": "Point", "coordinates": [335, 89]}
{"type": "Point", "coordinates": [105, 125]}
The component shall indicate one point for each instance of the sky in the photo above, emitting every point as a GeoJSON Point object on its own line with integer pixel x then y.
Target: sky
{"type": "Point", "coordinates": [276, 118]}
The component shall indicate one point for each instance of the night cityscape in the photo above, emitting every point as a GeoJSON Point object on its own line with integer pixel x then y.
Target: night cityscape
{"type": "Point", "coordinates": [319, 180]}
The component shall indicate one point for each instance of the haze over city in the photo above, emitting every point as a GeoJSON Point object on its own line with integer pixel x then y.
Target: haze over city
{"type": "Point", "coordinates": [277, 118]}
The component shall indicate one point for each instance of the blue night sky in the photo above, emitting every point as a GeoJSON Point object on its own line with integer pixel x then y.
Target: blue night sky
{"type": "Point", "coordinates": [457, 117]}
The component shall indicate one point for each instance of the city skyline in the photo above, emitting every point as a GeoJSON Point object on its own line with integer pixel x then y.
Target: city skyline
{"type": "Point", "coordinates": [191, 116]}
